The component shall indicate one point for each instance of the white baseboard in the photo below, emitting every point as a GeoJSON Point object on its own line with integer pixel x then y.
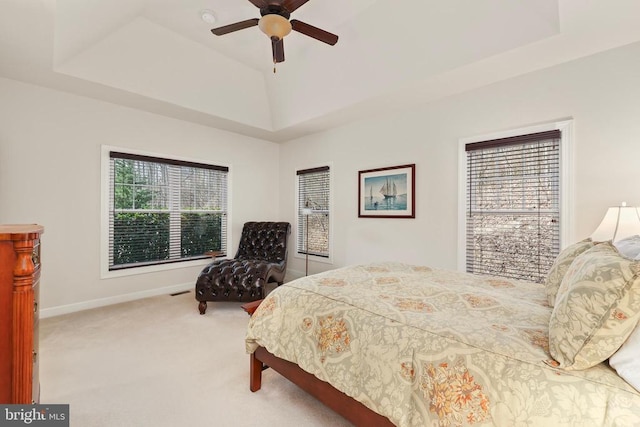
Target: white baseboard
{"type": "Point", "coordinates": [85, 305]}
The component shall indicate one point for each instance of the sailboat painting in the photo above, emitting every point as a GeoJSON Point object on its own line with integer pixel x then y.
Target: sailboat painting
{"type": "Point", "coordinates": [387, 192]}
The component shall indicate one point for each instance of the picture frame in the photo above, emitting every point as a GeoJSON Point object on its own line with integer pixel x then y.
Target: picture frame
{"type": "Point", "coordinates": [387, 192]}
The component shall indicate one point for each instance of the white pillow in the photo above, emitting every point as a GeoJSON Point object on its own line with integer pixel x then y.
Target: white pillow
{"type": "Point", "coordinates": [626, 361]}
{"type": "Point", "coordinates": [629, 247]}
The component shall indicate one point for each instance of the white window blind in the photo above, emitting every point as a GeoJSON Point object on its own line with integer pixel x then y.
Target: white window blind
{"type": "Point", "coordinates": [313, 195]}
{"type": "Point", "coordinates": [512, 213]}
{"type": "Point", "coordinates": [164, 210]}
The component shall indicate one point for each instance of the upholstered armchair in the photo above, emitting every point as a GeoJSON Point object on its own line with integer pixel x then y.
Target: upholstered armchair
{"type": "Point", "coordinates": [261, 259]}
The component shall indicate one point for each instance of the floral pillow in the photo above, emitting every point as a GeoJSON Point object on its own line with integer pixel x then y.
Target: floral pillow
{"type": "Point", "coordinates": [561, 265]}
{"type": "Point", "coordinates": [597, 307]}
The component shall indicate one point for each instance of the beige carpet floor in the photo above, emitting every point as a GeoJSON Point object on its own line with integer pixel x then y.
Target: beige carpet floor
{"type": "Point", "coordinates": [157, 362]}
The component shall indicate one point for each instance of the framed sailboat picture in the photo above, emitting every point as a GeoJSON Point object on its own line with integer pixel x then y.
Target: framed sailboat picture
{"type": "Point", "coordinates": [387, 192]}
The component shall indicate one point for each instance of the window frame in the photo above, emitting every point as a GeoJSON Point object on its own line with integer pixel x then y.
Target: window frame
{"type": "Point", "coordinates": [315, 258]}
{"type": "Point", "coordinates": [566, 186]}
{"type": "Point", "coordinates": [105, 183]}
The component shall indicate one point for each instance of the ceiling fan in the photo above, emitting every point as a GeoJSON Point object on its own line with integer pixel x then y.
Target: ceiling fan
{"type": "Point", "coordinates": [276, 25]}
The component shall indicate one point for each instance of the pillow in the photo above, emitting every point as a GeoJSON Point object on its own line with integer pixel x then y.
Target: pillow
{"type": "Point", "coordinates": [597, 307]}
{"type": "Point", "coordinates": [626, 360]}
{"type": "Point", "coordinates": [561, 265]}
{"type": "Point", "coordinates": [629, 247]}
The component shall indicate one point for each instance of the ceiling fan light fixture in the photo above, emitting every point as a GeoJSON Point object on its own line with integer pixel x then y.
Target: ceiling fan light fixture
{"type": "Point", "coordinates": [274, 26]}
{"type": "Point", "coordinates": [208, 16]}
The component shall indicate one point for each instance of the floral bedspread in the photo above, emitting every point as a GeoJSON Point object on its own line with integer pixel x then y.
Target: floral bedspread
{"type": "Point", "coordinates": [424, 346]}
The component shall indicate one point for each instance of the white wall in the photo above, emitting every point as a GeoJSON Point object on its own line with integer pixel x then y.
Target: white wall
{"type": "Point", "coordinates": [50, 174]}
{"type": "Point", "coordinates": [601, 93]}
{"type": "Point", "coordinates": [50, 168]}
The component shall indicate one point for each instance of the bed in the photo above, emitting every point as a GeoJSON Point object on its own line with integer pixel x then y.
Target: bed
{"type": "Point", "coordinates": [406, 345]}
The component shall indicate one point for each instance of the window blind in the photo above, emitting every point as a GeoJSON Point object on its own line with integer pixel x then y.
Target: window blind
{"type": "Point", "coordinates": [313, 194]}
{"type": "Point", "coordinates": [164, 210]}
{"type": "Point", "coordinates": [513, 200]}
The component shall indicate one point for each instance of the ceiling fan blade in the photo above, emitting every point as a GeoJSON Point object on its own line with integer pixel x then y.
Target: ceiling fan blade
{"type": "Point", "coordinates": [292, 5]}
{"type": "Point", "coordinates": [235, 27]}
{"type": "Point", "coordinates": [314, 32]}
{"type": "Point", "coordinates": [259, 3]}
{"type": "Point", "coordinates": [277, 46]}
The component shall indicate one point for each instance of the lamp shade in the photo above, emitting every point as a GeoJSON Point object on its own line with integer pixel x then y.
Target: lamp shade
{"type": "Point", "coordinates": [618, 223]}
{"type": "Point", "coordinates": [274, 26]}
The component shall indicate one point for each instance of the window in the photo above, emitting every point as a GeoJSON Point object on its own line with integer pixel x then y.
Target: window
{"type": "Point", "coordinates": [313, 211]}
{"type": "Point", "coordinates": [164, 210]}
{"type": "Point", "coordinates": [513, 205]}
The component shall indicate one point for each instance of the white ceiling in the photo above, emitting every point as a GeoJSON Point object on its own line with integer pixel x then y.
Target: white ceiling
{"type": "Point", "coordinates": [158, 55]}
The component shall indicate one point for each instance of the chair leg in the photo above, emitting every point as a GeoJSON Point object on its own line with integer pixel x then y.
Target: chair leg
{"type": "Point", "coordinates": [202, 307]}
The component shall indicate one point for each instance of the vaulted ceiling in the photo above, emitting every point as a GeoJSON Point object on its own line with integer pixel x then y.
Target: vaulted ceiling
{"type": "Point", "coordinates": [160, 56]}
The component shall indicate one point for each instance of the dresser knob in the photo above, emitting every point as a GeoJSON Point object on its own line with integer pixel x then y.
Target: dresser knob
{"type": "Point", "coordinates": [35, 306]}
{"type": "Point", "coordinates": [35, 356]}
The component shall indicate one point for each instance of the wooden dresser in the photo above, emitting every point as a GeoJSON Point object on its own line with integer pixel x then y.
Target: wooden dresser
{"type": "Point", "coordinates": [19, 291]}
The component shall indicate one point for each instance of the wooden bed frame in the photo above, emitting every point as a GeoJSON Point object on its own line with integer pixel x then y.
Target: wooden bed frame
{"type": "Point", "coordinates": [344, 405]}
